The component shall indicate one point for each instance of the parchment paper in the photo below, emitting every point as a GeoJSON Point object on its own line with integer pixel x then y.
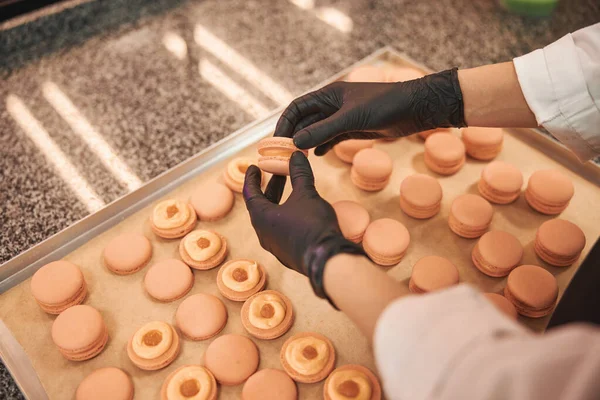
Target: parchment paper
{"type": "Point", "coordinates": [125, 305]}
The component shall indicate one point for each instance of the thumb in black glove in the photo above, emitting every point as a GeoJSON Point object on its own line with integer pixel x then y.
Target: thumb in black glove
{"type": "Point", "coordinates": [345, 110]}
{"type": "Point", "coordinates": [303, 233]}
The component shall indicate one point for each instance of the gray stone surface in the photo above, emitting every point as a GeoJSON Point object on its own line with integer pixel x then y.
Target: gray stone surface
{"type": "Point", "coordinates": [156, 110]}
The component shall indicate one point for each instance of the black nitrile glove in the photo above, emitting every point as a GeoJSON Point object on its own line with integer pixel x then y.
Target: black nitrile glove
{"type": "Point", "coordinates": [345, 110]}
{"type": "Point", "coordinates": [303, 233]}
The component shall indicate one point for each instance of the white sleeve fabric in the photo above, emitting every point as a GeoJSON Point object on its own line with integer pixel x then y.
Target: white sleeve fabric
{"type": "Point", "coordinates": [561, 84]}
{"type": "Point", "coordinates": [454, 344]}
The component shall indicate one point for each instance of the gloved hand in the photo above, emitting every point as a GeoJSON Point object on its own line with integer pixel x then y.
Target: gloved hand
{"type": "Point", "coordinates": [345, 110]}
{"type": "Point", "coordinates": [303, 233]}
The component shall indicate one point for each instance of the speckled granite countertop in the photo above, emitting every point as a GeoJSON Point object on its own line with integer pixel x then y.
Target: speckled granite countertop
{"type": "Point", "coordinates": [107, 70]}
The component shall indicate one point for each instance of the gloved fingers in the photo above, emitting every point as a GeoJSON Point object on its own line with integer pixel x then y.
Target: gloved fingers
{"type": "Point", "coordinates": [324, 148]}
{"type": "Point", "coordinates": [322, 131]}
{"type": "Point", "coordinates": [307, 121]}
{"type": "Point", "coordinates": [256, 201]}
{"type": "Point", "coordinates": [275, 187]}
{"type": "Point", "coordinates": [298, 109]}
{"type": "Point", "coordinates": [301, 173]}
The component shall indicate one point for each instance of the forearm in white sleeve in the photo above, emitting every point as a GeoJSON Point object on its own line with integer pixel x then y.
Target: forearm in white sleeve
{"type": "Point", "coordinates": [561, 84]}
{"type": "Point", "coordinates": [454, 344]}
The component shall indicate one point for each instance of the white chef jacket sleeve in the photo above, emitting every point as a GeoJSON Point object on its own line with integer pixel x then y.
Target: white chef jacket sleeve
{"type": "Point", "coordinates": [561, 84]}
{"type": "Point", "coordinates": [454, 344]}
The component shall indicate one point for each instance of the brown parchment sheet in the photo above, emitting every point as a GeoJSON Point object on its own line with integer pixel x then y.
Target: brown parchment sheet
{"type": "Point", "coordinates": [125, 305]}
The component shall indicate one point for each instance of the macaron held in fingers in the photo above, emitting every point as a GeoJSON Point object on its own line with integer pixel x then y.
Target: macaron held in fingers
{"type": "Point", "coordinates": [274, 155]}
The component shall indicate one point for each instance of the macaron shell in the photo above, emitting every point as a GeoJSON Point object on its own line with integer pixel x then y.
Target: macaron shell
{"type": "Point", "coordinates": [275, 332]}
{"type": "Point", "coordinates": [551, 187]}
{"type": "Point", "coordinates": [211, 396]}
{"type": "Point", "coordinates": [444, 148]}
{"type": "Point", "coordinates": [497, 253]}
{"type": "Point", "coordinates": [212, 201]}
{"type": "Point", "coordinates": [232, 359]}
{"type": "Point", "coordinates": [421, 190]}
{"type": "Point", "coordinates": [347, 149]}
{"type": "Point", "coordinates": [385, 241]}
{"type": "Point", "coordinates": [127, 253]}
{"type": "Point", "coordinates": [77, 327]}
{"type": "Point", "coordinates": [299, 377]}
{"type": "Point", "coordinates": [375, 385]}
{"type": "Point", "coordinates": [269, 384]}
{"type": "Point", "coordinates": [503, 304]}
{"type": "Point", "coordinates": [372, 164]}
{"type": "Point", "coordinates": [559, 242]}
{"type": "Point", "coordinates": [353, 219]}
{"type": "Point", "coordinates": [502, 177]}
{"type": "Point", "coordinates": [470, 215]}
{"type": "Point", "coordinates": [211, 263]}
{"type": "Point", "coordinates": [160, 362]}
{"type": "Point", "coordinates": [201, 316]}
{"type": "Point", "coordinates": [57, 283]}
{"type": "Point", "coordinates": [275, 165]}
{"type": "Point", "coordinates": [177, 232]}
{"type": "Point", "coordinates": [433, 273]}
{"type": "Point", "coordinates": [441, 168]}
{"type": "Point", "coordinates": [532, 290]}
{"type": "Point", "coordinates": [241, 296]}
{"type": "Point", "coordinates": [105, 383]}
{"type": "Point", "coordinates": [425, 134]}
{"type": "Point", "coordinates": [168, 280]}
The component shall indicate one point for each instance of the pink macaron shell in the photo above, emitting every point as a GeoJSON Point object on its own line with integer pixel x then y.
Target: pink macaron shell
{"type": "Point", "coordinates": [421, 190]}
{"type": "Point", "coordinates": [483, 136]}
{"type": "Point", "coordinates": [373, 164]}
{"type": "Point", "coordinates": [503, 304]}
{"type": "Point", "coordinates": [347, 149]}
{"type": "Point", "coordinates": [386, 238]}
{"type": "Point", "coordinates": [275, 165]}
{"type": "Point", "coordinates": [56, 282]}
{"type": "Point", "coordinates": [201, 316]}
{"type": "Point", "coordinates": [444, 147]}
{"type": "Point", "coordinates": [500, 249]}
{"type": "Point", "coordinates": [533, 286]}
{"type": "Point", "coordinates": [212, 201]}
{"type": "Point", "coordinates": [353, 219]}
{"type": "Point", "coordinates": [472, 210]}
{"type": "Point", "coordinates": [168, 280]}
{"type": "Point", "coordinates": [127, 252]}
{"type": "Point", "coordinates": [433, 273]}
{"type": "Point", "coordinates": [77, 327]}
{"type": "Point", "coordinates": [551, 186]}
{"type": "Point", "coordinates": [270, 384]}
{"type": "Point", "coordinates": [503, 177]}
{"type": "Point", "coordinates": [231, 358]}
{"type": "Point", "coordinates": [104, 384]}
{"type": "Point", "coordinates": [561, 237]}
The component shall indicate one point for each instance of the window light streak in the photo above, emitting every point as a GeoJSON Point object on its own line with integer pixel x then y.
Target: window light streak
{"type": "Point", "coordinates": [176, 45]}
{"type": "Point", "coordinates": [335, 18]}
{"type": "Point", "coordinates": [67, 171]}
{"type": "Point", "coordinates": [82, 127]}
{"type": "Point", "coordinates": [241, 65]}
{"type": "Point", "coordinates": [232, 90]}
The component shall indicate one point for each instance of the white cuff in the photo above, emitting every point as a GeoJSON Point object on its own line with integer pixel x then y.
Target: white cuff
{"type": "Point", "coordinates": [555, 88]}
{"type": "Point", "coordinates": [417, 338]}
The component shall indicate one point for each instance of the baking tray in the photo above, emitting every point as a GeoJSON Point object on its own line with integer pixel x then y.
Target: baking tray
{"type": "Point", "coordinates": [549, 152]}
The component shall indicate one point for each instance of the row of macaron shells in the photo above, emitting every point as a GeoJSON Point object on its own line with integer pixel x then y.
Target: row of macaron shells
{"type": "Point", "coordinates": [558, 242]}
{"type": "Point", "coordinates": [172, 279]}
